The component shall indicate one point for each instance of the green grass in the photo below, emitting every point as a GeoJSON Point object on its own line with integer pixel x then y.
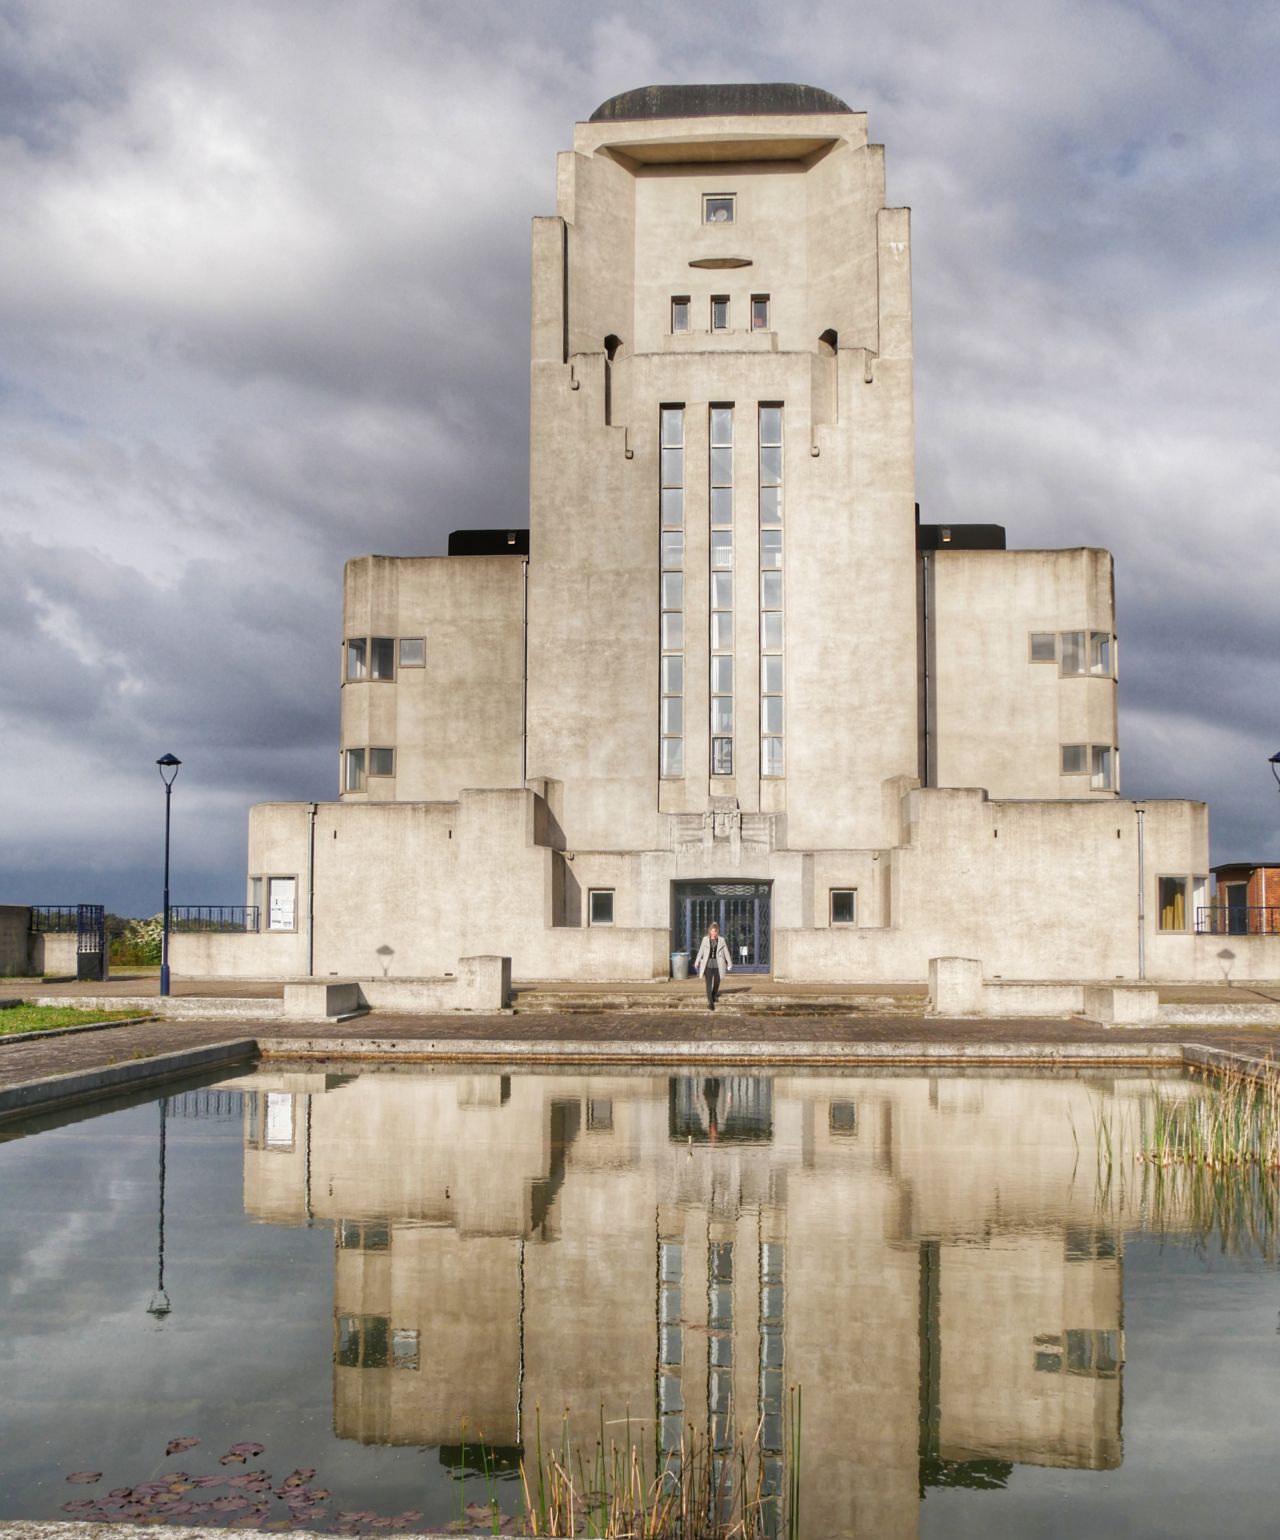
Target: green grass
{"type": "Point", "coordinates": [44, 1018]}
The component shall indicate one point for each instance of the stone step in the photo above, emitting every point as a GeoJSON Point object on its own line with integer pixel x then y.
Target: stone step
{"type": "Point", "coordinates": [584, 1002]}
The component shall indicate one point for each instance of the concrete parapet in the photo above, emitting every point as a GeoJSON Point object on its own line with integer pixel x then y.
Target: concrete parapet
{"type": "Point", "coordinates": [480, 984]}
{"type": "Point", "coordinates": [955, 986]}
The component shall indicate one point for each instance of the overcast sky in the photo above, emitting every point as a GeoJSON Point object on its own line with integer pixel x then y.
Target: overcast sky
{"type": "Point", "coordinates": [264, 274]}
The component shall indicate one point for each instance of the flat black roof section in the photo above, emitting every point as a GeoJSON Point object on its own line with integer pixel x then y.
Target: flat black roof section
{"type": "Point", "coordinates": [489, 542]}
{"type": "Point", "coordinates": [751, 99]}
{"type": "Point", "coordinates": [960, 537]}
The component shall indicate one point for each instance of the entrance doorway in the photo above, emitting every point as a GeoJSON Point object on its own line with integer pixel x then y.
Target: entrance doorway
{"type": "Point", "coordinates": [742, 910]}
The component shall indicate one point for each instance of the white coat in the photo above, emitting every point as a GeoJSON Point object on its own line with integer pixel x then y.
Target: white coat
{"type": "Point", "coordinates": [723, 961]}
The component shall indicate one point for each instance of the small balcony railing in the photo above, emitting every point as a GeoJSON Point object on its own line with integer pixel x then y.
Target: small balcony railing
{"type": "Point", "coordinates": [1238, 920]}
{"type": "Point", "coordinates": [221, 919]}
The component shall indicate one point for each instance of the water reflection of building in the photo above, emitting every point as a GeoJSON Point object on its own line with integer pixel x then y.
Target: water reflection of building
{"type": "Point", "coordinates": [911, 1250]}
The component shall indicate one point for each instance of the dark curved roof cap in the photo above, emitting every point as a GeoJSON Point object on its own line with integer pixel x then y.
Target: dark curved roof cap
{"type": "Point", "coordinates": [754, 99]}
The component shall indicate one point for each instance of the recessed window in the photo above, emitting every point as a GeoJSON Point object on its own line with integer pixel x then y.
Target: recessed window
{"type": "Point", "coordinates": [1073, 652]}
{"type": "Point", "coordinates": [413, 652]}
{"type": "Point", "coordinates": [844, 906]}
{"type": "Point", "coordinates": [1100, 652]}
{"type": "Point", "coordinates": [382, 761]}
{"type": "Point", "coordinates": [1044, 647]}
{"type": "Point", "coordinates": [680, 313]}
{"type": "Point", "coordinates": [1101, 767]}
{"type": "Point", "coordinates": [1075, 758]}
{"type": "Point", "coordinates": [599, 1114]}
{"type": "Point", "coordinates": [600, 906]}
{"type": "Point", "coordinates": [357, 658]}
{"type": "Point", "coordinates": [842, 1118]}
{"type": "Point", "coordinates": [759, 312]}
{"type": "Point", "coordinates": [282, 903]}
{"type": "Point", "coordinates": [718, 208]}
{"type": "Point", "coordinates": [404, 1348]}
{"type": "Point", "coordinates": [722, 754]}
{"type": "Point", "coordinates": [383, 657]}
{"type": "Point", "coordinates": [353, 779]}
{"type": "Point", "coordinates": [1172, 902]}
{"type": "Point", "coordinates": [719, 312]}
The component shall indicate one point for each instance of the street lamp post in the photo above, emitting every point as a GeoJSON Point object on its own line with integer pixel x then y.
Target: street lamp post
{"type": "Point", "coordinates": [1274, 762]}
{"type": "Point", "coordinates": [168, 767]}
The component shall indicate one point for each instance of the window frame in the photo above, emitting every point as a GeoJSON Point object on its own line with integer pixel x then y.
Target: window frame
{"type": "Point", "coordinates": [719, 300]}
{"type": "Point", "coordinates": [684, 303]}
{"type": "Point", "coordinates": [601, 893]}
{"type": "Point", "coordinates": [388, 644]}
{"type": "Point", "coordinates": [1033, 637]}
{"type": "Point", "coordinates": [348, 762]}
{"type": "Point", "coordinates": [1188, 922]}
{"type": "Point", "coordinates": [356, 670]}
{"type": "Point", "coordinates": [729, 199]}
{"type": "Point", "coordinates": [1083, 768]}
{"type": "Point", "coordinates": [1096, 784]}
{"type": "Point", "coordinates": [402, 661]}
{"type": "Point", "coordinates": [382, 774]}
{"type": "Point", "coordinates": [269, 879]}
{"type": "Point", "coordinates": [852, 895]}
{"type": "Point", "coordinates": [758, 300]}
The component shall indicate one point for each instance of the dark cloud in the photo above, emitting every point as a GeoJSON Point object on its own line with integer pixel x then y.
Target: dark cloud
{"type": "Point", "coordinates": [264, 305]}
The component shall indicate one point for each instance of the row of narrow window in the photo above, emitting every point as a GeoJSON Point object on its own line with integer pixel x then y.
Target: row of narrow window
{"type": "Point", "coordinates": [377, 657]}
{"type": "Point", "coordinates": [1075, 652]}
{"type": "Point", "coordinates": [1097, 761]}
{"type": "Point", "coordinates": [721, 619]}
{"type": "Point", "coordinates": [718, 318]}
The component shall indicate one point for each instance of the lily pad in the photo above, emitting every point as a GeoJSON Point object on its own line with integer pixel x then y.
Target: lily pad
{"type": "Point", "coordinates": [78, 1505]}
{"type": "Point", "coordinates": [177, 1445]}
{"type": "Point", "coordinates": [246, 1448]}
{"type": "Point", "coordinates": [85, 1476]}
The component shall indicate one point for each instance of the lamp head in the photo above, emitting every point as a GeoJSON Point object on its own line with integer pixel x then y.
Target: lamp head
{"type": "Point", "coordinates": [168, 766]}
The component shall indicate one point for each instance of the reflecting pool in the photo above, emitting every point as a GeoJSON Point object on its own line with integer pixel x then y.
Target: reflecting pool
{"type": "Point", "coordinates": [381, 1285]}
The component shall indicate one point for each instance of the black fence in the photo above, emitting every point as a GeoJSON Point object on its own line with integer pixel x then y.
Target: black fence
{"type": "Point", "coordinates": [218, 918]}
{"type": "Point", "coordinates": [1238, 920]}
{"type": "Point", "coordinates": [55, 919]}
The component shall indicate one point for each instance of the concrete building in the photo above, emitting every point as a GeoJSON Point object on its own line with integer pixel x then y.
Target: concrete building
{"type": "Point", "coordinates": [726, 671]}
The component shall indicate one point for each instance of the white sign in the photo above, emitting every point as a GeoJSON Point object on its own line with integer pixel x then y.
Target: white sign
{"type": "Point", "coordinates": [281, 903]}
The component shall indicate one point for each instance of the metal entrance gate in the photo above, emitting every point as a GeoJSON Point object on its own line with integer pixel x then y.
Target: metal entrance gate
{"type": "Point", "coordinates": [742, 910]}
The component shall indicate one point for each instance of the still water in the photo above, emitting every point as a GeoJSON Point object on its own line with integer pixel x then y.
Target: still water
{"type": "Point", "coordinates": [367, 1274]}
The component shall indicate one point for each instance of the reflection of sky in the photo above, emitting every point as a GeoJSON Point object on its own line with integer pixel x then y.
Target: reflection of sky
{"type": "Point", "coordinates": [92, 1382]}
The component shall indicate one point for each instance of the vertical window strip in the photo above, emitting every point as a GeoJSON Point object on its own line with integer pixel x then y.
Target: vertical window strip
{"type": "Point", "coordinates": [720, 499]}
{"type": "Point", "coordinates": [670, 1387]}
{"type": "Point", "coordinates": [772, 1368]}
{"type": "Point", "coordinates": [772, 761]}
{"type": "Point", "coordinates": [671, 579]}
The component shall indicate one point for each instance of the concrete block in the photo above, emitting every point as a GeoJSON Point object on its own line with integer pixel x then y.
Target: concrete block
{"type": "Point", "coordinates": [317, 1000]}
{"type": "Point", "coordinates": [1132, 1005]}
{"type": "Point", "coordinates": [484, 983]}
{"type": "Point", "coordinates": [955, 986]}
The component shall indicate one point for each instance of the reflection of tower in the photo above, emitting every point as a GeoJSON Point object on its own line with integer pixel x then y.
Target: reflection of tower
{"type": "Point", "coordinates": [160, 1306]}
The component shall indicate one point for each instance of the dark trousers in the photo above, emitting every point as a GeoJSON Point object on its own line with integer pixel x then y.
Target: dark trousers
{"type": "Point", "coordinates": [711, 978]}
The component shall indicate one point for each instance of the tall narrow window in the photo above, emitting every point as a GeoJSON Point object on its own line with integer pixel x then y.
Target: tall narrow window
{"type": "Point", "coordinates": [719, 312]}
{"type": "Point", "coordinates": [671, 579]}
{"type": "Point", "coordinates": [680, 313]}
{"type": "Point", "coordinates": [772, 762]}
{"type": "Point", "coordinates": [357, 657]}
{"type": "Point", "coordinates": [721, 580]}
{"type": "Point", "coordinates": [1099, 652]}
{"type": "Point", "coordinates": [759, 312]}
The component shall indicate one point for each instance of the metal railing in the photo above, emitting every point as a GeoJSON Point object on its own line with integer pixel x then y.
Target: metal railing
{"type": "Point", "coordinates": [55, 919]}
{"type": "Point", "coordinates": [1238, 920]}
{"type": "Point", "coordinates": [206, 1104]}
{"type": "Point", "coordinates": [219, 918]}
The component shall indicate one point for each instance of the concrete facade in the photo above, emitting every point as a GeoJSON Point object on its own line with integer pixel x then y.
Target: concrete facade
{"type": "Point", "coordinates": [733, 668]}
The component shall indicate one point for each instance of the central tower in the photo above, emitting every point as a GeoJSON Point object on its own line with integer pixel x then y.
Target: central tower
{"type": "Point", "coordinates": [722, 580]}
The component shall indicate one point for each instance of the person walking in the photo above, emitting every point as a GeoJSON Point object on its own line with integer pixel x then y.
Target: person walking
{"type": "Point", "coordinates": [713, 955]}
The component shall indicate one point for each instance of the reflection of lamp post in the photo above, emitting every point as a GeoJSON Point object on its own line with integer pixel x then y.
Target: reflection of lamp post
{"type": "Point", "coordinates": [1274, 762]}
{"type": "Point", "coordinates": [159, 1306]}
{"type": "Point", "coordinates": [168, 767]}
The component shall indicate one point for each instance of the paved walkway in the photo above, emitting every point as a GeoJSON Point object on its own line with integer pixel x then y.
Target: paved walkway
{"type": "Point", "coordinates": [39, 1058]}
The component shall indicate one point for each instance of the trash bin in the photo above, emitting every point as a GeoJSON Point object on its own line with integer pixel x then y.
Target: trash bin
{"type": "Point", "coordinates": [679, 965]}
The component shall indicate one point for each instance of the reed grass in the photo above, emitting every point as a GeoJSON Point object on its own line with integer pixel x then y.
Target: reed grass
{"type": "Point", "coordinates": [695, 1492]}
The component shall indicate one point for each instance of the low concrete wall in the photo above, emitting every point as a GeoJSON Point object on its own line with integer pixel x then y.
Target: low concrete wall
{"type": "Point", "coordinates": [957, 988]}
{"type": "Point", "coordinates": [55, 954]}
{"type": "Point", "coordinates": [480, 984]}
{"type": "Point", "coordinates": [268, 954]}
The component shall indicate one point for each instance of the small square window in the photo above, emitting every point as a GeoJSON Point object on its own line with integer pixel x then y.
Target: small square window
{"type": "Point", "coordinates": [718, 208]}
{"type": "Point", "coordinates": [759, 312]}
{"type": "Point", "coordinates": [357, 658]}
{"type": "Point", "coordinates": [1075, 758]}
{"type": "Point", "coordinates": [680, 313]}
{"type": "Point", "coordinates": [719, 312]}
{"type": "Point", "coordinates": [384, 657]}
{"type": "Point", "coordinates": [354, 779]}
{"type": "Point", "coordinates": [413, 652]}
{"type": "Point", "coordinates": [601, 906]}
{"type": "Point", "coordinates": [382, 761]}
{"type": "Point", "coordinates": [844, 906]}
{"type": "Point", "coordinates": [842, 1118]}
{"type": "Point", "coordinates": [1044, 647]}
{"type": "Point", "coordinates": [722, 756]}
